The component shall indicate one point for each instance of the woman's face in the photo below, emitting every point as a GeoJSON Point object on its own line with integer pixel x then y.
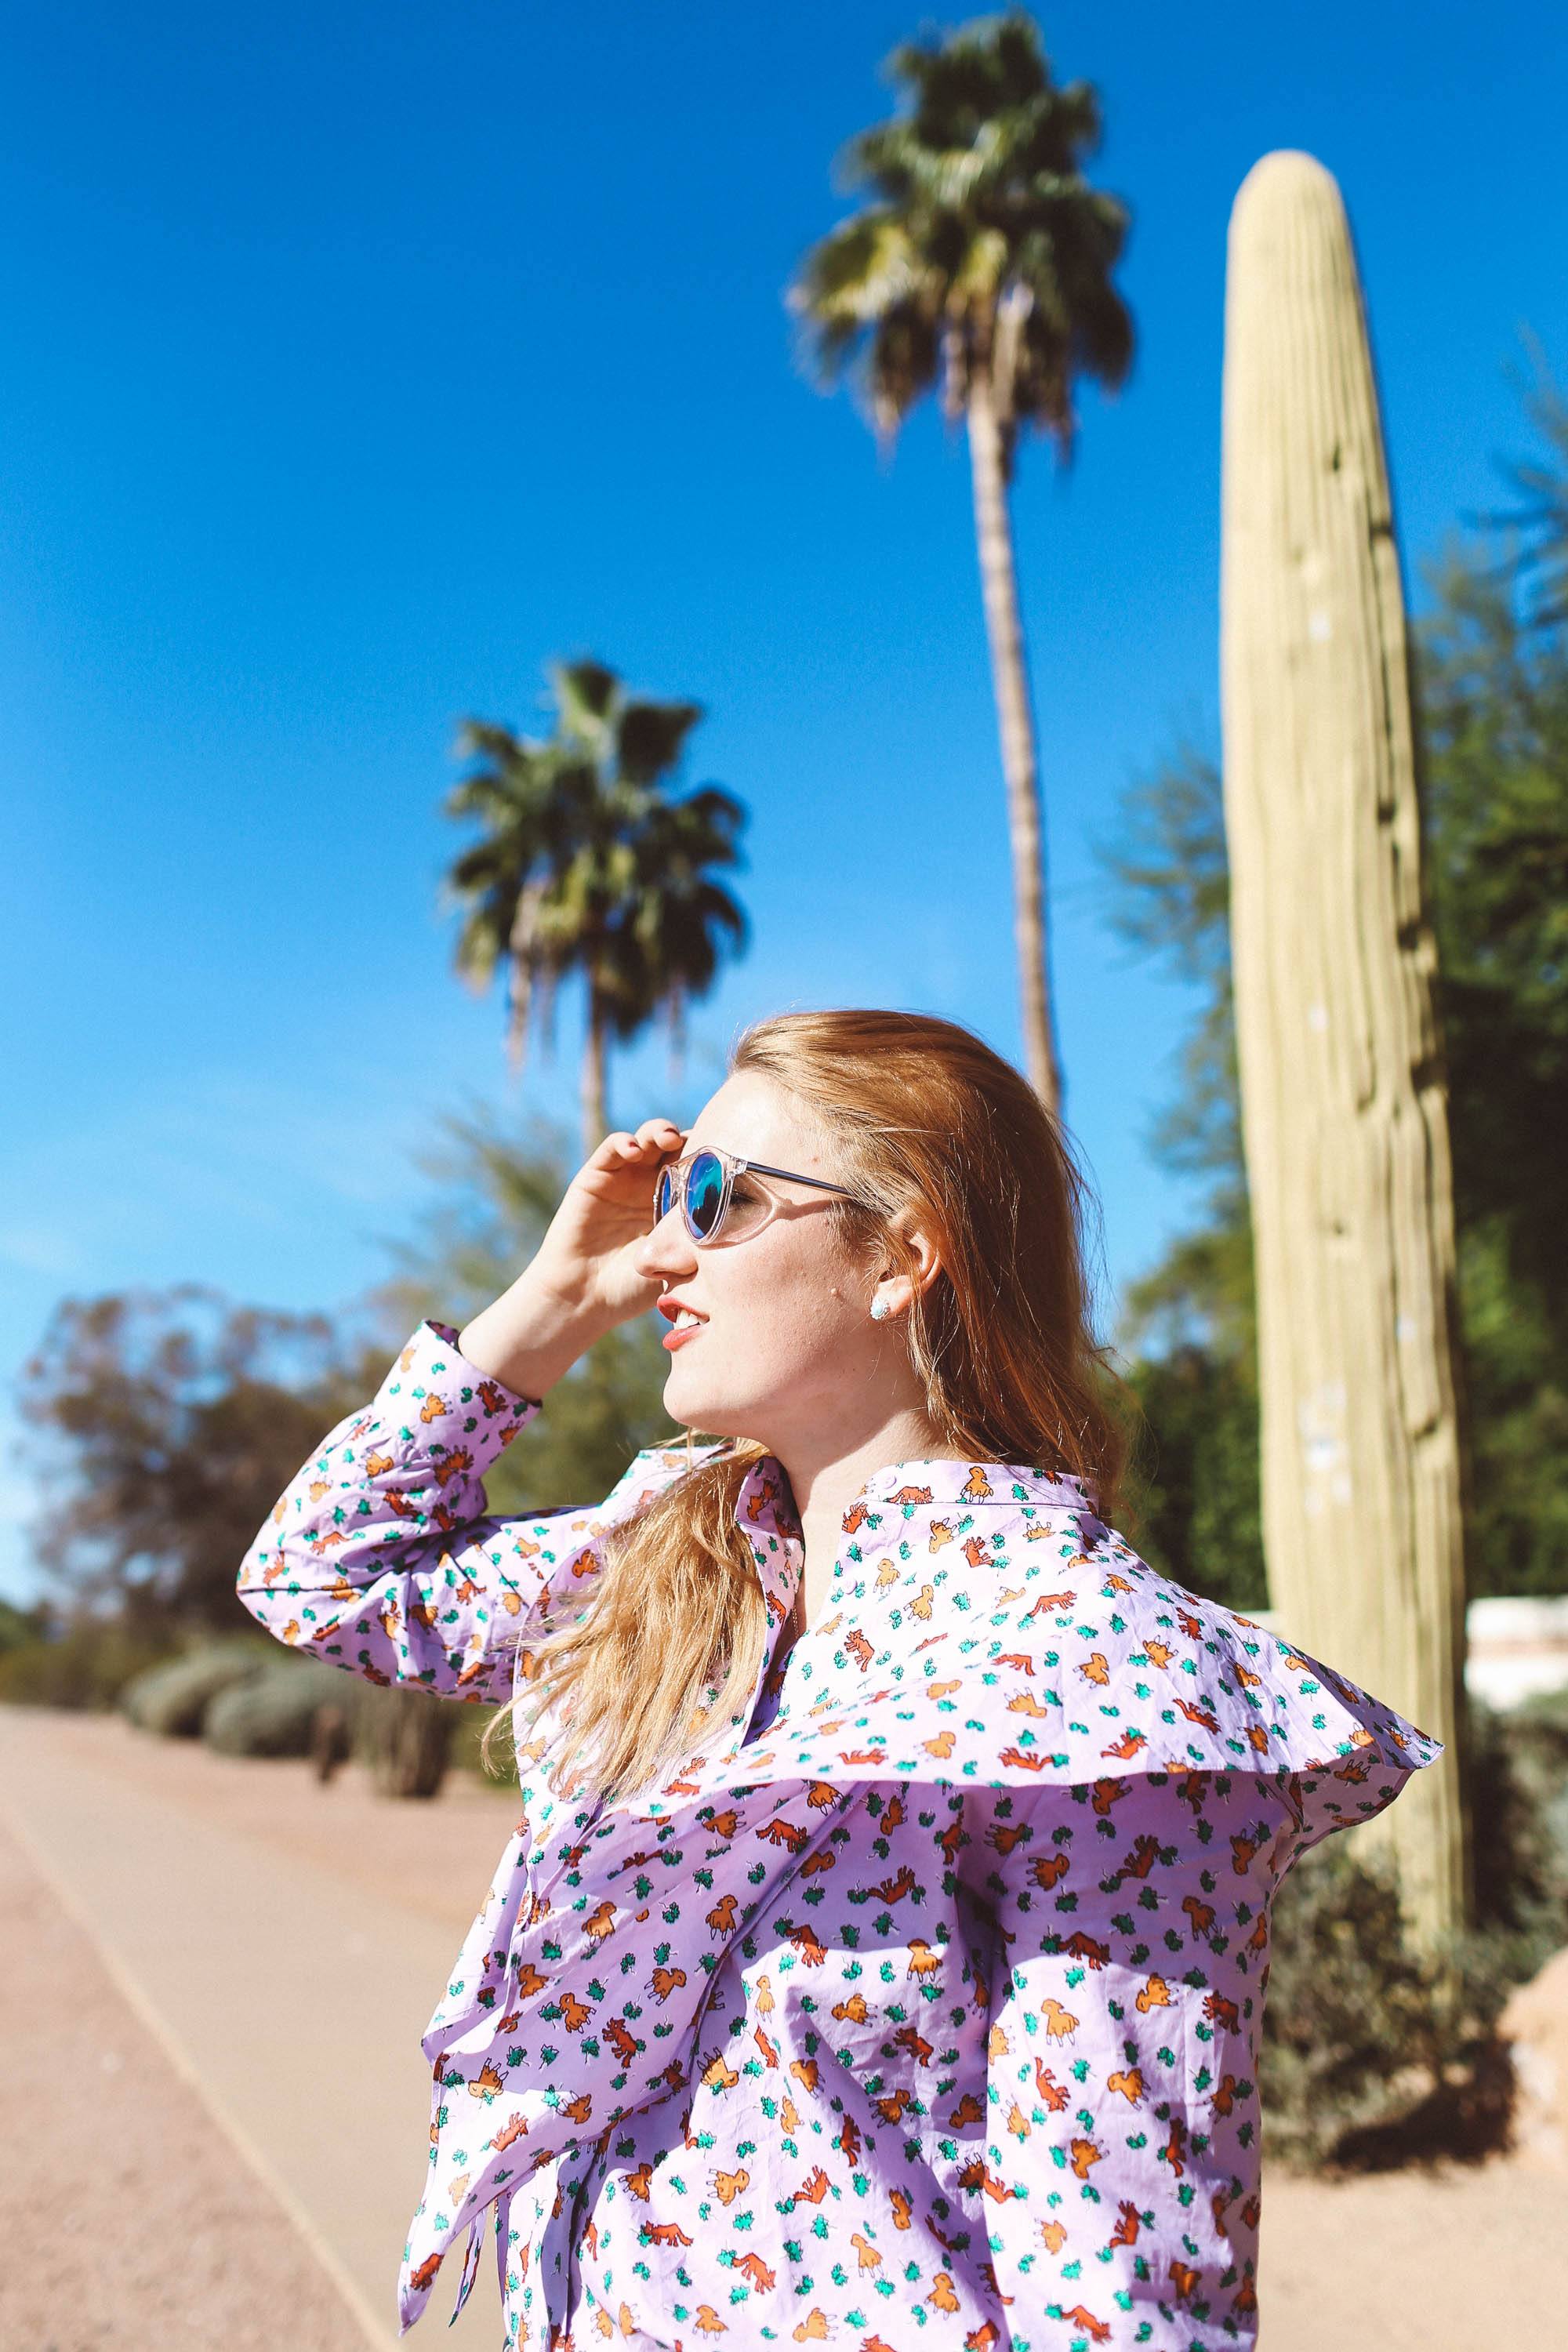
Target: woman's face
{"type": "Point", "coordinates": [785, 1346]}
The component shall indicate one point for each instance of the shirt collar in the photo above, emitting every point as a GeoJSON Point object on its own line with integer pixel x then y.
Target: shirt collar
{"type": "Point", "coordinates": [764, 1507]}
{"type": "Point", "coordinates": [942, 1481]}
{"type": "Point", "coordinates": [764, 1511]}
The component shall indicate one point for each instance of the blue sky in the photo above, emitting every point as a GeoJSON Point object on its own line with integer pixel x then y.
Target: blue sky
{"type": "Point", "coordinates": [360, 358]}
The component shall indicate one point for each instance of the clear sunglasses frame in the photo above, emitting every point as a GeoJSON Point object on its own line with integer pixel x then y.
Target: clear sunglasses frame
{"type": "Point", "coordinates": [673, 1183]}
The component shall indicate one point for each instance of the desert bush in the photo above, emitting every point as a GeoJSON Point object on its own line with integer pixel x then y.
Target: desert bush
{"type": "Point", "coordinates": [84, 1665]}
{"type": "Point", "coordinates": [1373, 2049]}
{"type": "Point", "coordinates": [499, 1768]}
{"type": "Point", "coordinates": [1377, 2053]}
{"type": "Point", "coordinates": [20, 1628]}
{"type": "Point", "coordinates": [172, 1699]}
{"type": "Point", "coordinates": [272, 1711]}
{"type": "Point", "coordinates": [406, 1737]}
{"type": "Point", "coordinates": [303, 1707]}
{"type": "Point", "coordinates": [1534, 1738]}
{"type": "Point", "coordinates": [1518, 1782]}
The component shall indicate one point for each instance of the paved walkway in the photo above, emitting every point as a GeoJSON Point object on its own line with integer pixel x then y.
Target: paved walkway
{"type": "Point", "coordinates": [130, 2219]}
{"type": "Point", "coordinates": [287, 1943]}
{"type": "Point", "coordinates": [290, 1942]}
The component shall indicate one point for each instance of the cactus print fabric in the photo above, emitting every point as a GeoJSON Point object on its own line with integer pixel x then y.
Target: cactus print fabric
{"type": "Point", "coordinates": [922, 2006]}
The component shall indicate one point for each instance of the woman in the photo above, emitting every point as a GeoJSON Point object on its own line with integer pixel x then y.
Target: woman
{"type": "Point", "coordinates": [880, 1955]}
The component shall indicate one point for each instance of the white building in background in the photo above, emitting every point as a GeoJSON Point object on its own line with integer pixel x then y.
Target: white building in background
{"type": "Point", "coordinates": [1515, 1648]}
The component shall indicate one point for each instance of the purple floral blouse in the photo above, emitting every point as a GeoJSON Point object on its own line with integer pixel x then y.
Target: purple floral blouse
{"type": "Point", "coordinates": [923, 2004]}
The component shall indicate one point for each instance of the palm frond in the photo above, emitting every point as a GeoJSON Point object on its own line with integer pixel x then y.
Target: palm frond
{"type": "Point", "coordinates": [651, 737]}
{"type": "Point", "coordinates": [857, 274]}
{"type": "Point", "coordinates": [586, 695]}
{"type": "Point", "coordinates": [479, 949]}
{"type": "Point", "coordinates": [1536, 533]}
{"type": "Point", "coordinates": [976, 193]}
{"type": "Point", "coordinates": [903, 363]}
{"type": "Point", "coordinates": [586, 866]}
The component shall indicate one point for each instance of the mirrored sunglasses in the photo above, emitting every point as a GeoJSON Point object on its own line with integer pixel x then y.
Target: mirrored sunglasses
{"type": "Point", "coordinates": [704, 1185]}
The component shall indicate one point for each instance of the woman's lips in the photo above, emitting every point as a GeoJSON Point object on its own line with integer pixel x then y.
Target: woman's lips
{"type": "Point", "coordinates": [678, 1338]}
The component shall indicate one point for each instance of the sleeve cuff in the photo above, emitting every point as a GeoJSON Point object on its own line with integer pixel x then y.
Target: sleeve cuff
{"type": "Point", "coordinates": [447, 1334]}
{"type": "Point", "coordinates": [433, 1399]}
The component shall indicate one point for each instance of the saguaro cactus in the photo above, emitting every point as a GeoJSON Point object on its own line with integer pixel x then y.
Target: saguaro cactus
{"type": "Point", "coordinates": [1344, 1115]}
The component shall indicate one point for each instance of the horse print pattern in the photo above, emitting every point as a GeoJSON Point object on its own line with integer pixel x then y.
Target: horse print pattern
{"type": "Point", "coordinates": [924, 2004]}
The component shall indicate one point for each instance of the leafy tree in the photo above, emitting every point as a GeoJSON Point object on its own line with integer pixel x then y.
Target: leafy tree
{"type": "Point", "coordinates": [1535, 564]}
{"type": "Point", "coordinates": [980, 266]}
{"type": "Point", "coordinates": [168, 1423]}
{"type": "Point", "coordinates": [586, 865]}
{"type": "Point", "coordinates": [1187, 1325]}
{"type": "Point", "coordinates": [1495, 699]}
{"type": "Point", "coordinates": [1193, 1497]}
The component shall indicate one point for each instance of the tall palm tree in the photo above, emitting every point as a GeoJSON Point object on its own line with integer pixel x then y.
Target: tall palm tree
{"type": "Point", "coordinates": [981, 266]}
{"type": "Point", "coordinates": [587, 864]}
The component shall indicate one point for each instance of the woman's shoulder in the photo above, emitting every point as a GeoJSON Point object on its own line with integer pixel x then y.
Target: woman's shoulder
{"type": "Point", "coordinates": [1024, 1641]}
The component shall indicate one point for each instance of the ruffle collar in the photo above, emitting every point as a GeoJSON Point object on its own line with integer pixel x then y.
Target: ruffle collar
{"type": "Point", "coordinates": [982, 1626]}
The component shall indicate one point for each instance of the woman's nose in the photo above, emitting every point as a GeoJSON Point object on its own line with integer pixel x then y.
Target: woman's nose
{"type": "Point", "coordinates": [668, 1250]}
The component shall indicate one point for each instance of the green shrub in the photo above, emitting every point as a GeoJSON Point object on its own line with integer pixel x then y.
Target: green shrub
{"type": "Point", "coordinates": [20, 1628]}
{"type": "Point", "coordinates": [173, 1699]}
{"type": "Point", "coordinates": [406, 1737]}
{"type": "Point", "coordinates": [86, 1667]}
{"type": "Point", "coordinates": [303, 1707]}
{"type": "Point", "coordinates": [1375, 2053]}
{"type": "Point", "coordinates": [500, 1768]}
{"type": "Point", "coordinates": [271, 1712]}
{"type": "Point", "coordinates": [1518, 1778]}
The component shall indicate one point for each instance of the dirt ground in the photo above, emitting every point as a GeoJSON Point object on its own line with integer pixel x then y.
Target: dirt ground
{"type": "Point", "coordinates": [135, 2223]}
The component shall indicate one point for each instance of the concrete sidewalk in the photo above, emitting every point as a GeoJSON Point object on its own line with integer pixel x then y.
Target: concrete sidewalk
{"type": "Point", "coordinates": [288, 1942]}
{"type": "Point", "coordinates": [293, 1997]}
{"type": "Point", "coordinates": [130, 2221]}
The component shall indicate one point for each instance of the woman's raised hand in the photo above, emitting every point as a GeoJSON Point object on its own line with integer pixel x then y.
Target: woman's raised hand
{"type": "Point", "coordinates": [582, 1282]}
{"type": "Point", "coordinates": [586, 1256]}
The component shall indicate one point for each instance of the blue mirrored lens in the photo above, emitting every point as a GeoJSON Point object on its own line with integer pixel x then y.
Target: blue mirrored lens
{"type": "Point", "coordinates": [704, 1192]}
{"type": "Point", "coordinates": [664, 1194]}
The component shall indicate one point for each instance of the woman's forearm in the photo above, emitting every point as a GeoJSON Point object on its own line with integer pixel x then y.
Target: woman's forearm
{"type": "Point", "coordinates": [530, 1336]}
{"type": "Point", "coordinates": [380, 1555]}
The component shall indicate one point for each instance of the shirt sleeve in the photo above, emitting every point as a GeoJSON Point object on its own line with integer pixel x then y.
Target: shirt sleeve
{"type": "Point", "coordinates": [379, 1555]}
{"type": "Point", "coordinates": [1120, 2142]}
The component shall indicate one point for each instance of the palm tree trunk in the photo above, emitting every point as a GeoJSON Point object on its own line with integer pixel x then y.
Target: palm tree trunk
{"type": "Point", "coordinates": [520, 992]}
{"type": "Point", "coordinates": [1009, 675]}
{"type": "Point", "coordinates": [596, 1117]}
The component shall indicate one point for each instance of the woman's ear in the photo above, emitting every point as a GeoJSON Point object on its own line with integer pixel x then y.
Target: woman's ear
{"type": "Point", "coordinates": [923, 1263]}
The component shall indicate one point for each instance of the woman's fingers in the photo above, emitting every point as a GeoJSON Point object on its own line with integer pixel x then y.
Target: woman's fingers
{"type": "Point", "coordinates": [655, 1139]}
{"type": "Point", "coordinates": [660, 1135]}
